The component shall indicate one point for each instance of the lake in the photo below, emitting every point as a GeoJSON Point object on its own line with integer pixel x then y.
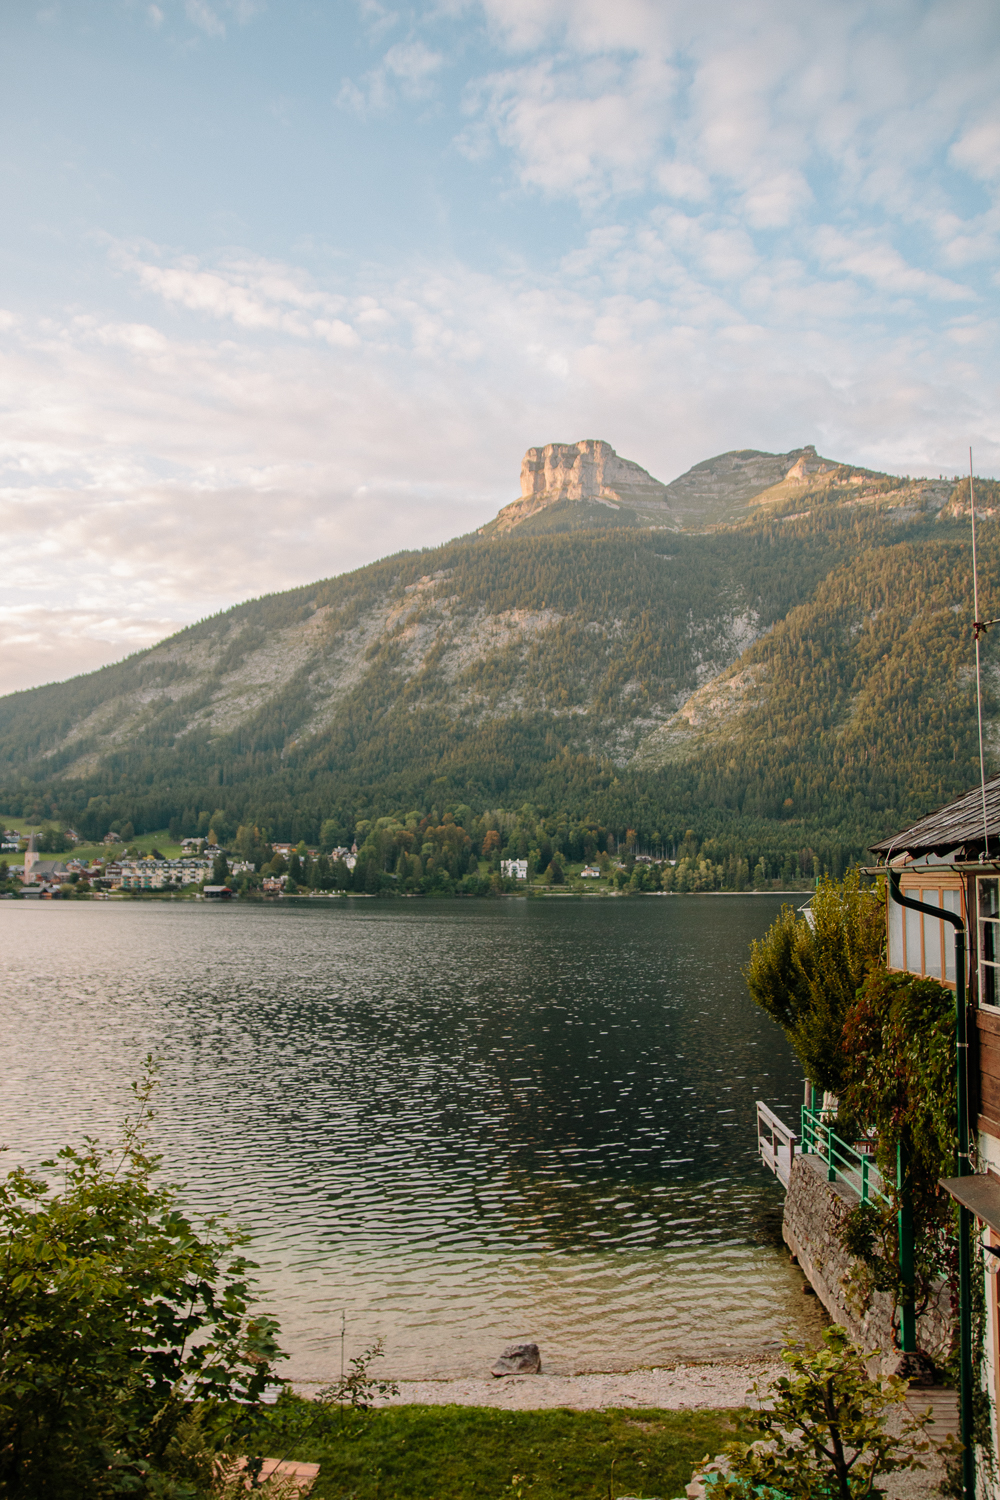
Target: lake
{"type": "Point", "coordinates": [458, 1123]}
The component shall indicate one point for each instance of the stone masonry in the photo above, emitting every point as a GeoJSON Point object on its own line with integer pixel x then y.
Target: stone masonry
{"type": "Point", "coordinates": [814, 1213]}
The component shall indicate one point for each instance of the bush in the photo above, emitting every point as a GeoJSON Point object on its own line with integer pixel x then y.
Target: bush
{"type": "Point", "coordinates": [822, 1432]}
{"type": "Point", "coordinates": [128, 1357]}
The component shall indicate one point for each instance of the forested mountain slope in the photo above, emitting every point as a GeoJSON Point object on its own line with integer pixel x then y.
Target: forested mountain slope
{"type": "Point", "coordinates": [799, 679]}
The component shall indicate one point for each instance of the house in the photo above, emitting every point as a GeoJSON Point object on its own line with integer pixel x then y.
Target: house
{"type": "Point", "coordinates": [950, 860]}
{"type": "Point", "coordinates": [590, 872]}
{"type": "Point", "coordinates": [514, 869]}
{"type": "Point", "coordinates": [40, 871]}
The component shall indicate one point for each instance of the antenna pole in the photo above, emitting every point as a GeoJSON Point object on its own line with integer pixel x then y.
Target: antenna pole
{"type": "Point", "coordinates": [979, 683]}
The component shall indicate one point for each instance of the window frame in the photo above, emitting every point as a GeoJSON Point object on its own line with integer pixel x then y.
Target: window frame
{"type": "Point", "coordinates": [983, 964]}
{"type": "Point", "coordinates": [918, 885]}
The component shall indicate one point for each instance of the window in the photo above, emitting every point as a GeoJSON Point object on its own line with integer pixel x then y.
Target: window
{"type": "Point", "coordinates": [989, 942]}
{"type": "Point", "coordinates": [922, 944]}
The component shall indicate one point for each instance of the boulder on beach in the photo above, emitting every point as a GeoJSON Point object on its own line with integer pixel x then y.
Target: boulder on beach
{"type": "Point", "coordinates": [518, 1359]}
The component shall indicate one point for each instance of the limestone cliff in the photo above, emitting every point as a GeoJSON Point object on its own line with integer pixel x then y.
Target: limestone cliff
{"type": "Point", "coordinates": [588, 471]}
{"type": "Point", "coordinates": [569, 486]}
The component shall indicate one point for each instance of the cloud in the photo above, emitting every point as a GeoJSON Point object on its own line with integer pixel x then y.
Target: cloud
{"type": "Point", "coordinates": [407, 71]}
{"type": "Point", "coordinates": [868, 256]}
{"type": "Point", "coordinates": [48, 645]}
{"type": "Point", "coordinates": [584, 130]}
{"type": "Point", "coordinates": [204, 17]}
{"type": "Point", "coordinates": [155, 471]}
{"type": "Point", "coordinates": [978, 150]}
{"type": "Point", "coordinates": [729, 226]}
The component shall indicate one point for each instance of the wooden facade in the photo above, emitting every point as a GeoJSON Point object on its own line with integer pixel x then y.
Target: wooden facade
{"type": "Point", "coordinates": [917, 944]}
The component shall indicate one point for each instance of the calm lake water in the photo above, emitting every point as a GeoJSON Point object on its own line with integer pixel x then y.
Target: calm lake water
{"type": "Point", "coordinates": [460, 1122]}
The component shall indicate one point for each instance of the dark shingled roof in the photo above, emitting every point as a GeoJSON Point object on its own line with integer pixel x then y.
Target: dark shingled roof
{"type": "Point", "coordinates": [958, 823]}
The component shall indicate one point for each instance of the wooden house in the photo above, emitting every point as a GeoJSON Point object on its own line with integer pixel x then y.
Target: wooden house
{"type": "Point", "coordinates": [951, 860]}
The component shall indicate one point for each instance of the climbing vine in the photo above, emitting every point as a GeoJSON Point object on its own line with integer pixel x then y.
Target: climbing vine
{"type": "Point", "coordinates": [900, 1041]}
{"type": "Point", "coordinates": [899, 1089]}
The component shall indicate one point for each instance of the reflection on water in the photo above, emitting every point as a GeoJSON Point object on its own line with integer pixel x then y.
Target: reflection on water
{"type": "Point", "coordinates": [462, 1122]}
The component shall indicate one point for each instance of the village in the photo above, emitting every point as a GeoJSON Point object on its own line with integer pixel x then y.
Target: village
{"type": "Point", "coordinates": [41, 878]}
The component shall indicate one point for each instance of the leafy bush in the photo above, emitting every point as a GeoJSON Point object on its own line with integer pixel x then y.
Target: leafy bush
{"type": "Point", "coordinates": [822, 1432]}
{"type": "Point", "coordinates": [128, 1355]}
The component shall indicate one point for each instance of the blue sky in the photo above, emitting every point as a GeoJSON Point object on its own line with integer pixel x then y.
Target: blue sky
{"type": "Point", "coordinates": [285, 287]}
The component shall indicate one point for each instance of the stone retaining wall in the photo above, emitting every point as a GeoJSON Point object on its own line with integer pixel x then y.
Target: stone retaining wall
{"type": "Point", "coordinates": [814, 1212]}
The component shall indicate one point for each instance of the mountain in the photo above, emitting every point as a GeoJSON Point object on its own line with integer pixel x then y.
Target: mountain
{"type": "Point", "coordinates": [566, 486]}
{"type": "Point", "coordinates": [794, 677]}
{"type": "Point", "coordinates": [586, 486]}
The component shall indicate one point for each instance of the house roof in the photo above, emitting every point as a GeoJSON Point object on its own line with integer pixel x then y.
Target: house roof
{"type": "Point", "coordinates": [959, 824]}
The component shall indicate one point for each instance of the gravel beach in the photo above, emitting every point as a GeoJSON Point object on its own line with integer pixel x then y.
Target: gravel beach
{"type": "Point", "coordinates": [677, 1388]}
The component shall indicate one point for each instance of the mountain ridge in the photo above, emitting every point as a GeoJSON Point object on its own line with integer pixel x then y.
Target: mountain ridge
{"type": "Point", "coordinates": [652, 657]}
{"type": "Point", "coordinates": [575, 478]}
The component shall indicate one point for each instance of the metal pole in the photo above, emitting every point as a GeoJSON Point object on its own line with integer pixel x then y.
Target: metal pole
{"type": "Point", "coordinates": [979, 682]}
{"type": "Point", "coordinates": [963, 1169]}
{"type": "Point", "coordinates": [907, 1311]}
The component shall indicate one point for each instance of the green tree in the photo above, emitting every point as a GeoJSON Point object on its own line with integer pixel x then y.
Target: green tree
{"type": "Point", "coordinates": [220, 870]}
{"type": "Point", "coordinates": [120, 1319]}
{"type": "Point", "coordinates": [806, 973]}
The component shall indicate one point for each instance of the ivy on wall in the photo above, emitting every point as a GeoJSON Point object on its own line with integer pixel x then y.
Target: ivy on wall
{"type": "Point", "coordinates": [899, 1088]}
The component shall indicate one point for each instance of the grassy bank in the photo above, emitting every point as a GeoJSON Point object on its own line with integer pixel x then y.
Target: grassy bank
{"type": "Point", "coordinates": [428, 1452]}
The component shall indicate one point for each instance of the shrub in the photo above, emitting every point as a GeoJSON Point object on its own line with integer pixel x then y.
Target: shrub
{"type": "Point", "coordinates": [121, 1325]}
{"type": "Point", "coordinates": [823, 1430]}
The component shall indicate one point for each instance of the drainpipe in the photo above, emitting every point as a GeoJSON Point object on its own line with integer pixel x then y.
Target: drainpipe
{"type": "Point", "coordinates": [964, 1169]}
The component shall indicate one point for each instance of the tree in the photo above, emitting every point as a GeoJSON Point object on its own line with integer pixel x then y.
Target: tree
{"type": "Point", "coordinates": [123, 1325]}
{"type": "Point", "coordinates": [220, 870]}
{"type": "Point", "coordinates": [822, 1431]}
{"type": "Point", "coordinates": [806, 974]}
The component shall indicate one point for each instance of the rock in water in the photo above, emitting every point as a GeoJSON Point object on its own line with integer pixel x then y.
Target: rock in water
{"type": "Point", "coordinates": [518, 1359]}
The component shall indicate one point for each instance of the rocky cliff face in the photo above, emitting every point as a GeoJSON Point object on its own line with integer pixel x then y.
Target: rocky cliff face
{"type": "Point", "coordinates": [587, 484]}
{"type": "Point", "coordinates": [589, 471]}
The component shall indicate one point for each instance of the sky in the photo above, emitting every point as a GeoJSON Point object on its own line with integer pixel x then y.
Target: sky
{"type": "Point", "coordinates": [288, 286]}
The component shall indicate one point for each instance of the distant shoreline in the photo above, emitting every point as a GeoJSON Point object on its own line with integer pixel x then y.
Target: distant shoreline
{"type": "Point", "coordinates": [145, 897]}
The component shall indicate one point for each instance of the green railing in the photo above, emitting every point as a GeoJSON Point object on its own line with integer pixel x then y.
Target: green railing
{"type": "Point", "coordinates": [844, 1163]}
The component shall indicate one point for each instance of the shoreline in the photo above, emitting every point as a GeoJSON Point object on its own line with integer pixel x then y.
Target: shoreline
{"type": "Point", "coordinates": [719, 1385]}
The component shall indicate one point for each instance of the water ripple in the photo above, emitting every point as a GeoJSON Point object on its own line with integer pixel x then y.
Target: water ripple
{"type": "Point", "coordinates": [459, 1122]}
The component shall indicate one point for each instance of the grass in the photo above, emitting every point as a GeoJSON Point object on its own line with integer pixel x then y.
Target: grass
{"type": "Point", "coordinates": [433, 1452]}
{"type": "Point", "coordinates": [144, 842]}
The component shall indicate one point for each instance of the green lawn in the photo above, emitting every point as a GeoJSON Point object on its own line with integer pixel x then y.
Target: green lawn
{"type": "Point", "coordinates": [144, 842]}
{"type": "Point", "coordinates": [453, 1452]}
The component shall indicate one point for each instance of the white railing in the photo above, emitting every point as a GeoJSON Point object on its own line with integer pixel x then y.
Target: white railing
{"type": "Point", "coordinates": [776, 1143]}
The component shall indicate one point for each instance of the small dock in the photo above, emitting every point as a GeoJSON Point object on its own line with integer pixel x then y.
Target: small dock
{"type": "Point", "coordinates": [775, 1144]}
